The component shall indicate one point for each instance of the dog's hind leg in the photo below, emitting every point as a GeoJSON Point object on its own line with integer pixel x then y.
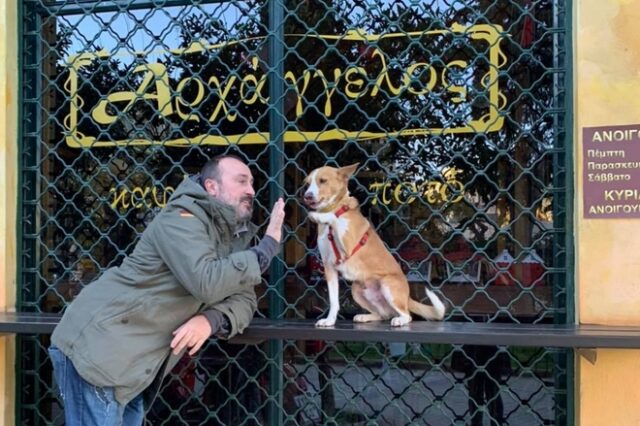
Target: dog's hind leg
{"type": "Point", "coordinates": [397, 299]}
{"type": "Point", "coordinates": [356, 291]}
{"type": "Point", "coordinates": [367, 317]}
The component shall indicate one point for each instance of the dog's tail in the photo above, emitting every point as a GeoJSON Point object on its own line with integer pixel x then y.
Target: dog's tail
{"type": "Point", "coordinates": [434, 312]}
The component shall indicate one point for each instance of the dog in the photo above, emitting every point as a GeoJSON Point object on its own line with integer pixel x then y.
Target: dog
{"type": "Point", "coordinates": [350, 247]}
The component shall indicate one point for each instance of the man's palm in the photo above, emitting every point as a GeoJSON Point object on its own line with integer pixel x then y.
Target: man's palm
{"type": "Point", "coordinates": [274, 229]}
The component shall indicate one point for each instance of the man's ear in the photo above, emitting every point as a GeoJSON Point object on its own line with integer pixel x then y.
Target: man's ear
{"type": "Point", "coordinates": [348, 171]}
{"type": "Point", "coordinates": [211, 186]}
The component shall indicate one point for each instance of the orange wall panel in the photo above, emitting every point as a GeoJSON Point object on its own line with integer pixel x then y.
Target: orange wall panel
{"type": "Point", "coordinates": [607, 93]}
{"type": "Point", "coordinates": [607, 90]}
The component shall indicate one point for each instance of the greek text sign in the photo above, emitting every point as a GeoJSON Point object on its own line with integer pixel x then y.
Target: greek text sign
{"type": "Point", "coordinates": [352, 86]}
{"type": "Point", "coordinates": [434, 191]}
{"type": "Point", "coordinates": [611, 171]}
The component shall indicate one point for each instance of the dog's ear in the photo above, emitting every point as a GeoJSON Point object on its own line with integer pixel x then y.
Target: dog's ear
{"type": "Point", "coordinates": [348, 171]}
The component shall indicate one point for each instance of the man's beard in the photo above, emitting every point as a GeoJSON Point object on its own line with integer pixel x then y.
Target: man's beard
{"type": "Point", "coordinates": [244, 213]}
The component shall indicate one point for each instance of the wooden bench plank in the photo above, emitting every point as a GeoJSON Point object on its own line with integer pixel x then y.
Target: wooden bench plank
{"type": "Point", "coordinates": [493, 334]}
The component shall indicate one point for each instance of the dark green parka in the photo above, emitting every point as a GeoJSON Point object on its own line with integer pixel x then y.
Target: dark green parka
{"type": "Point", "coordinates": [190, 258]}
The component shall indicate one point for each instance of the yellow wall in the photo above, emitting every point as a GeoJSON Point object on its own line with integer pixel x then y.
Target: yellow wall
{"type": "Point", "coordinates": [8, 193]}
{"type": "Point", "coordinates": [609, 391]}
{"type": "Point", "coordinates": [607, 88]}
{"type": "Point", "coordinates": [608, 93]}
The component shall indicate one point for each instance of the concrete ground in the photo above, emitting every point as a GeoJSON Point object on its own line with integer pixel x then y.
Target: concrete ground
{"type": "Point", "coordinates": [392, 396]}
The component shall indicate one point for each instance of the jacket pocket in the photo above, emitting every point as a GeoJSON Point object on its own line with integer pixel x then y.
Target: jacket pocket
{"type": "Point", "coordinates": [122, 317]}
{"type": "Point", "coordinates": [239, 264]}
{"type": "Point", "coordinates": [125, 347]}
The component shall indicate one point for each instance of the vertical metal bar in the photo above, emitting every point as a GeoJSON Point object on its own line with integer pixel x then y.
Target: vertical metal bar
{"type": "Point", "coordinates": [563, 208]}
{"type": "Point", "coordinates": [559, 206]}
{"type": "Point", "coordinates": [276, 128]}
{"type": "Point", "coordinates": [569, 212]}
{"type": "Point", "coordinates": [276, 183]}
{"type": "Point", "coordinates": [36, 189]}
{"type": "Point", "coordinates": [568, 165]}
{"type": "Point", "coordinates": [564, 290]}
{"type": "Point", "coordinates": [19, 227]}
{"type": "Point", "coordinates": [27, 181]}
{"type": "Point", "coordinates": [21, 148]}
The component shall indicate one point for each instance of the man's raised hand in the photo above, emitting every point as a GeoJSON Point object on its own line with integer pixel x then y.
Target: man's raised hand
{"type": "Point", "coordinates": [274, 229]}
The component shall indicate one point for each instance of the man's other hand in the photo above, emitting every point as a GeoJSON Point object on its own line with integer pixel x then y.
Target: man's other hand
{"type": "Point", "coordinates": [274, 229]}
{"type": "Point", "coordinates": [192, 334]}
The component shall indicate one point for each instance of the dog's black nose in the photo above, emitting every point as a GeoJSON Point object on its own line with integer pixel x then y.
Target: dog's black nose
{"type": "Point", "coordinates": [302, 191]}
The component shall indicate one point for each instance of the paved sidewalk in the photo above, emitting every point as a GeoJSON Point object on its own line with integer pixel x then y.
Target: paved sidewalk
{"type": "Point", "coordinates": [393, 396]}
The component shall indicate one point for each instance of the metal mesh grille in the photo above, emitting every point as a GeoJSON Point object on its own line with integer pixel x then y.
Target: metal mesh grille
{"type": "Point", "coordinates": [455, 112]}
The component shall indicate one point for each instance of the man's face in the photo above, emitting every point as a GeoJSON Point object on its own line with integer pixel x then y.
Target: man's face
{"type": "Point", "coordinates": [234, 187]}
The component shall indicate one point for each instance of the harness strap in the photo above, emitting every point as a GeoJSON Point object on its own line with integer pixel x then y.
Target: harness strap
{"type": "Point", "coordinates": [334, 246]}
{"type": "Point", "coordinates": [342, 210]}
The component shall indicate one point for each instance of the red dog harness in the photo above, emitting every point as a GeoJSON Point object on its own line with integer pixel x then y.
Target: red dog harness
{"type": "Point", "coordinates": [336, 252]}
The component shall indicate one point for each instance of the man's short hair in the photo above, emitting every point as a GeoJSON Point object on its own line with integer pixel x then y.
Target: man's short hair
{"type": "Point", "coordinates": [211, 170]}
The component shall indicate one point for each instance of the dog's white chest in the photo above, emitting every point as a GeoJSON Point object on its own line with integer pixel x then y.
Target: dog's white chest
{"type": "Point", "coordinates": [325, 247]}
{"type": "Point", "coordinates": [330, 252]}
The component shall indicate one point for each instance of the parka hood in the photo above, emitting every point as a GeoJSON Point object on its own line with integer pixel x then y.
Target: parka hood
{"type": "Point", "coordinates": [190, 195]}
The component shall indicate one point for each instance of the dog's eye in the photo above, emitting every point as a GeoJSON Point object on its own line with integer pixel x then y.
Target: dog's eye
{"type": "Point", "coordinates": [323, 180]}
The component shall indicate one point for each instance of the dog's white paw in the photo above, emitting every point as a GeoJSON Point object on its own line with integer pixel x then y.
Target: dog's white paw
{"type": "Point", "coordinates": [326, 322]}
{"type": "Point", "coordinates": [366, 318]}
{"type": "Point", "coordinates": [400, 321]}
{"type": "Point", "coordinates": [361, 318]}
{"type": "Point", "coordinates": [314, 217]}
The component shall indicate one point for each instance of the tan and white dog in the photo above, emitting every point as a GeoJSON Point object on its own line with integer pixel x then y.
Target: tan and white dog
{"type": "Point", "coordinates": [350, 247]}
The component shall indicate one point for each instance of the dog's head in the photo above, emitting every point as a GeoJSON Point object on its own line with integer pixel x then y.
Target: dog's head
{"type": "Point", "coordinates": [326, 186]}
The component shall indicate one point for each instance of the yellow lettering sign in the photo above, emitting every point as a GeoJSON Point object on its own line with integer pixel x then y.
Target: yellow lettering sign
{"type": "Point", "coordinates": [449, 190]}
{"type": "Point", "coordinates": [139, 197]}
{"type": "Point", "coordinates": [184, 101]}
{"type": "Point", "coordinates": [153, 73]}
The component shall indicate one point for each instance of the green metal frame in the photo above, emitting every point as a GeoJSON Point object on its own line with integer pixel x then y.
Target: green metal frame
{"type": "Point", "coordinates": [569, 194]}
{"type": "Point", "coordinates": [276, 185]}
{"type": "Point", "coordinates": [275, 349]}
{"type": "Point", "coordinates": [19, 204]}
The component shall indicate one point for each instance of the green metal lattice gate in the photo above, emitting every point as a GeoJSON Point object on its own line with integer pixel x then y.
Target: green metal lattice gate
{"type": "Point", "coordinates": [455, 111]}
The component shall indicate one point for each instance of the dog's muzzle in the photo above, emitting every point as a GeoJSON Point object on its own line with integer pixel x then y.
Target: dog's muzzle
{"type": "Point", "coordinates": [309, 200]}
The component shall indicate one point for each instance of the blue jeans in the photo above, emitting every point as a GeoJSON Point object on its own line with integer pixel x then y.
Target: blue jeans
{"type": "Point", "coordinates": [89, 405]}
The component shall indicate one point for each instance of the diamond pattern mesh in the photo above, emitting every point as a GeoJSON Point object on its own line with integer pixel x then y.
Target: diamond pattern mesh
{"type": "Point", "coordinates": [454, 111]}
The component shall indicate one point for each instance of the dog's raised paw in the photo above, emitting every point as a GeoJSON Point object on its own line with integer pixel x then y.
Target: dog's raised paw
{"type": "Point", "coordinates": [325, 322]}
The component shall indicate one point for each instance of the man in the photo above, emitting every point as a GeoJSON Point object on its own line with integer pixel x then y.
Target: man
{"type": "Point", "coordinates": [190, 276]}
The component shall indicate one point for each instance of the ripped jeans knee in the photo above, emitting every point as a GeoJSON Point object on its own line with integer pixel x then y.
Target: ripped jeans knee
{"type": "Point", "coordinates": [86, 404]}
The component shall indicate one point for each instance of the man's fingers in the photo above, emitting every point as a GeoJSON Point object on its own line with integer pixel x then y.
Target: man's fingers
{"type": "Point", "coordinates": [178, 330]}
{"type": "Point", "coordinates": [196, 347]}
{"type": "Point", "coordinates": [178, 348]}
{"type": "Point", "coordinates": [278, 209]}
{"type": "Point", "coordinates": [180, 341]}
{"type": "Point", "coordinates": [177, 335]}
{"type": "Point", "coordinates": [274, 228]}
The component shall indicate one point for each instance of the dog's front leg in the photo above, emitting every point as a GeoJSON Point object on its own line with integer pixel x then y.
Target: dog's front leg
{"type": "Point", "coordinates": [331, 276]}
